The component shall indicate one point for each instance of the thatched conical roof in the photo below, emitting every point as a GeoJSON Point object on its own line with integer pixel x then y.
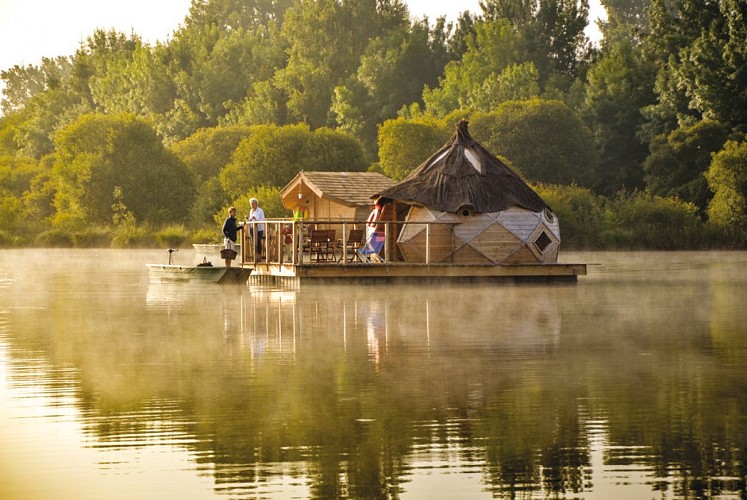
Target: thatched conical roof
{"type": "Point", "coordinates": [463, 175]}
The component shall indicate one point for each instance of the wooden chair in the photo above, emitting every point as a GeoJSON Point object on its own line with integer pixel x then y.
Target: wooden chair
{"type": "Point", "coordinates": [322, 245]}
{"type": "Point", "coordinates": [353, 244]}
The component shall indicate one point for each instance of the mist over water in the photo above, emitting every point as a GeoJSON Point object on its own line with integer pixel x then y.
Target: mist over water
{"type": "Point", "coordinates": [628, 384]}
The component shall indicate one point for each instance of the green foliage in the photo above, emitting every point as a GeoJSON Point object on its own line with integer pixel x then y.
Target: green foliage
{"type": "Point", "coordinates": [405, 144]}
{"type": "Point", "coordinates": [355, 64]}
{"type": "Point", "coordinates": [272, 155]}
{"type": "Point", "coordinates": [495, 47]}
{"type": "Point", "coordinates": [210, 198]}
{"type": "Point", "coordinates": [24, 82]}
{"type": "Point", "coordinates": [98, 153]}
{"type": "Point", "coordinates": [269, 201]}
{"type": "Point", "coordinates": [17, 175]}
{"type": "Point", "coordinates": [92, 237]}
{"type": "Point", "coordinates": [700, 49]}
{"type": "Point", "coordinates": [545, 140]}
{"type": "Point", "coordinates": [130, 236]}
{"type": "Point", "coordinates": [643, 220]}
{"type": "Point", "coordinates": [677, 162]}
{"type": "Point", "coordinates": [391, 74]}
{"type": "Point", "coordinates": [208, 150]}
{"type": "Point", "coordinates": [9, 240]}
{"type": "Point", "coordinates": [207, 235]}
{"type": "Point", "coordinates": [122, 216]}
{"type": "Point", "coordinates": [620, 83]}
{"type": "Point", "coordinates": [579, 211]}
{"type": "Point", "coordinates": [11, 211]}
{"type": "Point", "coordinates": [172, 236]}
{"type": "Point", "coordinates": [727, 178]}
{"type": "Point", "coordinates": [54, 238]}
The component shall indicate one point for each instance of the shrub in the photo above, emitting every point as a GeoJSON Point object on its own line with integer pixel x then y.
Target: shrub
{"type": "Point", "coordinates": [94, 237]}
{"type": "Point", "coordinates": [172, 236]}
{"type": "Point", "coordinates": [642, 220]}
{"type": "Point", "coordinates": [727, 178]}
{"type": "Point", "coordinates": [206, 235]}
{"type": "Point", "coordinates": [131, 236]}
{"type": "Point", "coordinates": [54, 237]}
{"type": "Point", "coordinates": [8, 240]}
{"type": "Point", "coordinates": [579, 213]}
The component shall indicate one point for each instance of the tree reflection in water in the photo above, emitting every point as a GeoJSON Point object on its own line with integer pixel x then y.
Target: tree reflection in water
{"type": "Point", "coordinates": [599, 389]}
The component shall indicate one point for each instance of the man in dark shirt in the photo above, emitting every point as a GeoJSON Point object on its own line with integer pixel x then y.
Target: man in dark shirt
{"type": "Point", "coordinates": [230, 229]}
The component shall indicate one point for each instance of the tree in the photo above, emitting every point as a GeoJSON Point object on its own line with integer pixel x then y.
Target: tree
{"type": "Point", "coordinates": [326, 39]}
{"type": "Point", "coordinates": [16, 177]}
{"type": "Point", "coordinates": [627, 21]}
{"type": "Point", "coordinates": [727, 178]}
{"type": "Point", "coordinates": [544, 140]}
{"type": "Point", "coordinates": [97, 154]}
{"type": "Point", "coordinates": [677, 161]}
{"type": "Point", "coordinates": [208, 151]}
{"type": "Point", "coordinates": [620, 83]}
{"type": "Point", "coordinates": [552, 32]}
{"type": "Point", "coordinates": [495, 47]}
{"type": "Point", "coordinates": [272, 155]}
{"type": "Point", "coordinates": [24, 82]}
{"type": "Point", "coordinates": [700, 49]}
{"type": "Point", "coordinates": [392, 73]}
{"type": "Point", "coordinates": [405, 144]}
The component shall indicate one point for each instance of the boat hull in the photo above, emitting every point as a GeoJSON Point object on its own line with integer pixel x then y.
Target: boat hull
{"type": "Point", "coordinates": [167, 273]}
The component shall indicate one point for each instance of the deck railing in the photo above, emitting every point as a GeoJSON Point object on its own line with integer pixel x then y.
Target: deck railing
{"type": "Point", "coordinates": [299, 250]}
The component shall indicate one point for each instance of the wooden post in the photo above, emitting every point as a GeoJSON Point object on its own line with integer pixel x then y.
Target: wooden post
{"type": "Point", "coordinates": [386, 242]}
{"type": "Point", "coordinates": [428, 243]}
{"type": "Point", "coordinates": [279, 237]}
{"type": "Point", "coordinates": [344, 243]}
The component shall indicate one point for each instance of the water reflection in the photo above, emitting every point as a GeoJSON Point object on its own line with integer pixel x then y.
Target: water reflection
{"type": "Point", "coordinates": [618, 387]}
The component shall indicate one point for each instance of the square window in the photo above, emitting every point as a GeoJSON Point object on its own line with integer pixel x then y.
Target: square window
{"type": "Point", "coordinates": [543, 241]}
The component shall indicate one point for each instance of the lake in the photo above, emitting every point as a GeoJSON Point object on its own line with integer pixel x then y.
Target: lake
{"type": "Point", "coordinates": [631, 383]}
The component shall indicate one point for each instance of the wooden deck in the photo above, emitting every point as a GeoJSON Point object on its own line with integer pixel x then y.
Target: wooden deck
{"type": "Point", "coordinates": [421, 273]}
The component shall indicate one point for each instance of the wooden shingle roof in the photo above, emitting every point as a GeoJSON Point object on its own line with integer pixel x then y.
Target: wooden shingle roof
{"type": "Point", "coordinates": [347, 188]}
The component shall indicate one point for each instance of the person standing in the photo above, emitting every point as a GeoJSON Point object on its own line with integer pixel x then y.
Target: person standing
{"type": "Point", "coordinates": [257, 214]}
{"type": "Point", "coordinates": [230, 229]}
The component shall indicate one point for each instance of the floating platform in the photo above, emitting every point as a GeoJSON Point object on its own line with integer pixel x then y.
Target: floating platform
{"type": "Point", "coordinates": [269, 273]}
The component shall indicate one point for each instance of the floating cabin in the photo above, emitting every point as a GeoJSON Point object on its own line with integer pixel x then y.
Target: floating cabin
{"type": "Point", "coordinates": [334, 195]}
{"type": "Point", "coordinates": [462, 215]}
{"type": "Point", "coordinates": [487, 214]}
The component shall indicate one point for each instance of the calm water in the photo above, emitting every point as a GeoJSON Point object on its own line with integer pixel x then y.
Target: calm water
{"type": "Point", "coordinates": [630, 384]}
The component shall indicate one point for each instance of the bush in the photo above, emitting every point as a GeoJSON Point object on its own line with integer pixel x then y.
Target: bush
{"type": "Point", "coordinates": [8, 240]}
{"type": "Point", "coordinates": [727, 178]}
{"type": "Point", "coordinates": [579, 213]}
{"type": "Point", "coordinates": [95, 237]}
{"type": "Point", "coordinates": [131, 236]}
{"type": "Point", "coordinates": [642, 220]}
{"type": "Point", "coordinates": [54, 238]}
{"type": "Point", "coordinates": [207, 236]}
{"type": "Point", "coordinates": [172, 236]}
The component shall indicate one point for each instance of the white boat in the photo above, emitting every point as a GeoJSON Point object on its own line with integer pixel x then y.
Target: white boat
{"type": "Point", "coordinates": [172, 273]}
{"type": "Point", "coordinates": [204, 272]}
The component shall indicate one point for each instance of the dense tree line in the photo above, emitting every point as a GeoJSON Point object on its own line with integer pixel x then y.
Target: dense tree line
{"type": "Point", "coordinates": [248, 92]}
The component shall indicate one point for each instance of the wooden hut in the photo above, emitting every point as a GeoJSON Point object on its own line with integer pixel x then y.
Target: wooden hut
{"type": "Point", "coordinates": [334, 195]}
{"type": "Point", "coordinates": [485, 213]}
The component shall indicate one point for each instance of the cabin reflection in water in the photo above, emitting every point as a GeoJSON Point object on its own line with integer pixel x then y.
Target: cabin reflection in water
{"type": "Point", "coordinates": [283, 322]}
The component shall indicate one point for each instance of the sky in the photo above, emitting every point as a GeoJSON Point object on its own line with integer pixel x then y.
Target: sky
{"type": "Point", "coordinates": [32, 29]}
